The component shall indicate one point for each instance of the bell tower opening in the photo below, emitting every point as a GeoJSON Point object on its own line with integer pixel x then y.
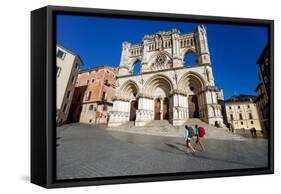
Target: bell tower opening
{"type": "Point", "coordinates": [190, 59]}
{"type": "Point", "coordinates": [137, 67]}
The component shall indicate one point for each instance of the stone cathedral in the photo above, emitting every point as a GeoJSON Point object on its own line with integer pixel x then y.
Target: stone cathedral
{"type": "Point", "coordinates": [166, 88]}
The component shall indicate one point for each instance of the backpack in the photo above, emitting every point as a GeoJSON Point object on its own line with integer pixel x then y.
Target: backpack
{"type": "Point", "coordinates": [201, 132]}
{"type": "Point", "coordinates": [191, 132]}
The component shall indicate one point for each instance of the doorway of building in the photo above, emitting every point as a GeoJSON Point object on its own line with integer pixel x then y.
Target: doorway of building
{"type": "Point", "coordinates": [133, 109]}
{"type": "Point", "coordinates": [166, 108]}
{"type": "Point", "coordinates": [157, 109]}
{"type": "Point", "coordinates": [193, 107]}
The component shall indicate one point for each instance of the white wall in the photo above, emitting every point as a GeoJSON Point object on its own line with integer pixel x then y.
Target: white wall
{"type": "Point", "coordinates": [15, 87]}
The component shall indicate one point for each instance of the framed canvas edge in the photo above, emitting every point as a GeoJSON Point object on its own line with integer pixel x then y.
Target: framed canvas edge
{"type": "Point", "coordinates": [51, 181]}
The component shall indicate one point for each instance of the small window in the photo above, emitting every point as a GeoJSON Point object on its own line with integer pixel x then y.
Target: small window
{"type": "Point", "coordinates": [91, 107]}
{"type": "Point", "coordinates": [240, 116]}
{"type": "Point", "coordinates": [72, 79]}
{"type": "Point", "coordinates": [64, 108]}
{"type": "Point", "coordinates": [248, 106]}
{"type": "Point", "coordinates": [89, 95]}
{"type": "Point", "coordinates": [252, 122]}
{"type": "Point", "coordinates": [231, 117]}
{"type": "Point", "coordinates": [95, 108]}
{"type": "Point", "coordinates": [68, 94]}
{"type": "Point", "coordinates": [106, 82]}
{"type": "Point", "coordinates": [242, 123]}
{"type": "Point", "coordinates": [76, 66]}
{"type": "Point", "coordinates": [90, 121]}
{"type": "Point", "coordinates": [104, 108]}
{"type": "Point", "coordinates": [88, 81]}
{"type": "Point", "coordinates": [61, 54]}
{"type": "Point", "coordinates": [250, 116]}
{"type": "Point", "coordinates": [93, 80]}
{"type": "Point", "coordinates": [229, 107]}
{"type": "Point", "coordinates": [103, 96]}
{"type": "Point", "coordinates": [58, 71]}
{"type": "Point", "coordinates": [238, 107]}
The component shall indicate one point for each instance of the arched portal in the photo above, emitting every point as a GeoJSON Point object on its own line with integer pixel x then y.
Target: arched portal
{"type": "Point", "coordinates": [160, 87]}
{"type": "Point", "coordinates": [129, 91]}
{"type": "Point", "coordinates": [192, 84]}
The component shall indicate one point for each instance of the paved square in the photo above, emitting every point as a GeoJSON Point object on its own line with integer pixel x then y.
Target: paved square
{"type": "Point", "coordinates": [85, 151]}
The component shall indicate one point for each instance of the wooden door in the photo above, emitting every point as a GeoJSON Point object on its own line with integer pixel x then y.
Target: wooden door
{"type": "Point", "coordinates": [133, 109]}
{"type": "Point", "coordinates": [157, 109]}
{"type": "Point", "coordinates": [193, 106]}
{"type": "Point", "coordinates": [166, 109]}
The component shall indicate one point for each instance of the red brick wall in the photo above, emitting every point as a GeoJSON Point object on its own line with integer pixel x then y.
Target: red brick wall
{"type": "Point", "coordinates": [98, 86]}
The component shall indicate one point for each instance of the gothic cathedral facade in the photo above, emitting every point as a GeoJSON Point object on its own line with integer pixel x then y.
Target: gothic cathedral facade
{"type": "Point", "coordinates": [166, 88]}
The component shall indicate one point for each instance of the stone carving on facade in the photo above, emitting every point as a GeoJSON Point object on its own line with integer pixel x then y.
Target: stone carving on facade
{"type": "Point", "coordinates": [160, 59]}
{"type": "Point", "coordinates": [159, 42]}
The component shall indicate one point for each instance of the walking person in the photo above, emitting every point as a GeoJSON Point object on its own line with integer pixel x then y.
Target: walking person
{"type": "Point", "coordinates": [252, 132]}
{"type": "Point", "coordinates": [188, 136]}
{"type": "Point", "coordinates": [199, 133]}
{"type": "Point", "coordinates": [255, 132]}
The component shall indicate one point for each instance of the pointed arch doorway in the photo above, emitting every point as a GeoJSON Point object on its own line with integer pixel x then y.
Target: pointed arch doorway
{"type": "Point", "coordinates": [193, 107]}
{"type": "Point", "coordinates": [161, 108]}
{"type": "Point", "coordinates": [133, 110]}
{"type": "Point", "coordinates": [157, 109]}
{"type": "Point", "coordinates": [166, 115]}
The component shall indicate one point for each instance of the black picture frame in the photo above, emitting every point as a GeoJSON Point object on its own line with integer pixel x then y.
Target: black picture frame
{"type": "Point", "coordinates": [43, 96]}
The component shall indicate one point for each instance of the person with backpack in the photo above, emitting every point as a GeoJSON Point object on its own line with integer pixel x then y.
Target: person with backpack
{"type": "Point", "coordinates": [199, 133]}
{"type": "Point", "coordinates": [188, 136]}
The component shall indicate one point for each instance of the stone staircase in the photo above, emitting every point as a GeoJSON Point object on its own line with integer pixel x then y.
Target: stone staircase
{"type": "Point", "coordinates": [164, 128]}
{"type": "Point", "coordinates": [213, 132]}
{"type": "Point", "coordinates": [128, 124]}
{"type": "Point", "coordinates": [158, 123]}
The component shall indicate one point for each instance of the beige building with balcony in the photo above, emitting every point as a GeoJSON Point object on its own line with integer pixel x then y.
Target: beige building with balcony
{"type": "Point", "coordinates": [242, 114]}
{"type": "Point", "coordinates": [68, 64]}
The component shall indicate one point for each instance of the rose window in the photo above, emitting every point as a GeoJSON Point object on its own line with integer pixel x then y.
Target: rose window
{"type": "Point", "coordinates": [160, 59]}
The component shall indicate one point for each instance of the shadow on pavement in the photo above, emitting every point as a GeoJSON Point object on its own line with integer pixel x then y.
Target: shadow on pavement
{"type": "Point", "coordinates": [175, 147]}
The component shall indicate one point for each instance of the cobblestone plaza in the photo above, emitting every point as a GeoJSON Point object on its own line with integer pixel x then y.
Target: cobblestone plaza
{"type": "Point", "coordinates": [84, 151]}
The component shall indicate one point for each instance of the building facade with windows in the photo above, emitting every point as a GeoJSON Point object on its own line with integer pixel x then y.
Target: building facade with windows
{"type": "Point", "coordinates": [242, 114]}
{"type": "Point", "coordinates": [263, 89]}
{"type": "Point", "coordinates": [68, 65]}
{"type": "Point", "coordinates": [92, 96]}
{"type": "Point", "coordinates": [167, 88]}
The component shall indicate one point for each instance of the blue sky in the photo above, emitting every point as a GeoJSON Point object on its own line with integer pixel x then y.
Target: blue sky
{"type": "Point", "coordinates": [234, 49]}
